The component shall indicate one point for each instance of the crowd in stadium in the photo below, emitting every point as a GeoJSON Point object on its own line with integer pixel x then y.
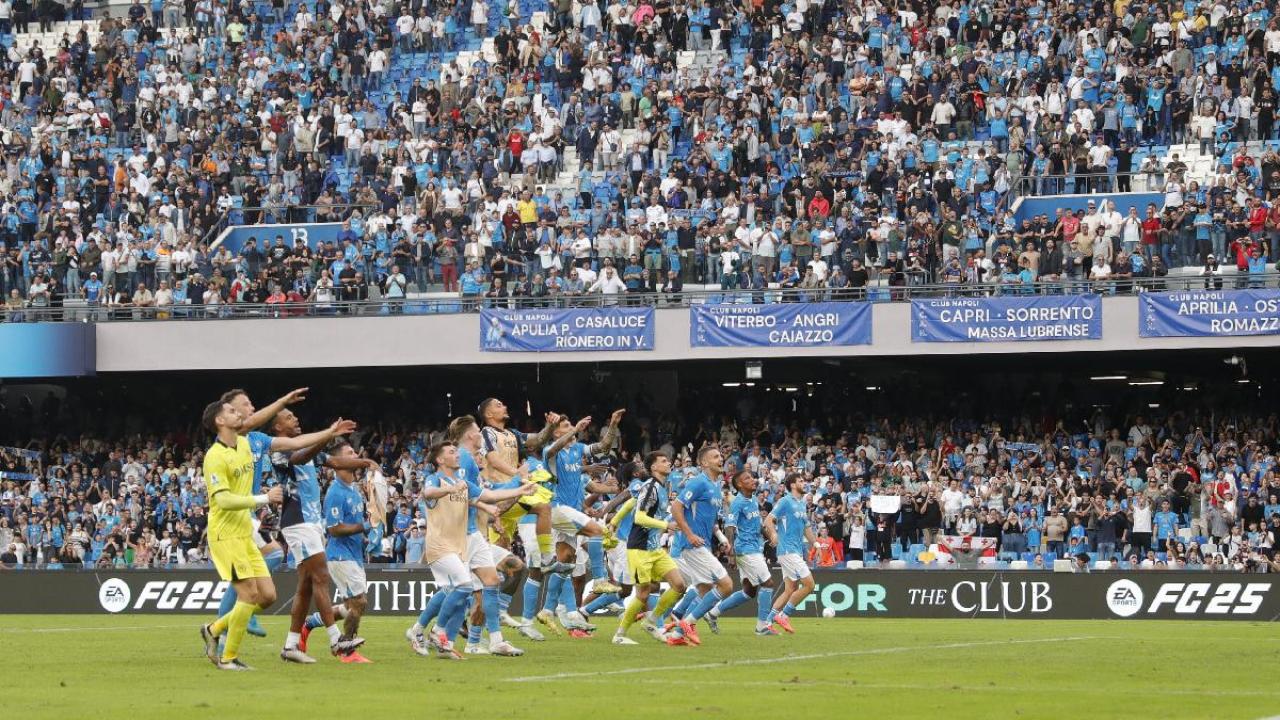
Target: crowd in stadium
{"type": "Point", "coordinates": [494, 147]}
{"type": "Point", "coordinates": [1157, 492]}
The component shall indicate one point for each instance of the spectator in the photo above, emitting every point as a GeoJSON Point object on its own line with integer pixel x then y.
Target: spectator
{"type": "Point", "coordinates": [1055, 532]}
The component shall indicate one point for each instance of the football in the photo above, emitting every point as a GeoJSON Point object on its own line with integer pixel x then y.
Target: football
{"type": "Point", "coordinates": [828, 612]}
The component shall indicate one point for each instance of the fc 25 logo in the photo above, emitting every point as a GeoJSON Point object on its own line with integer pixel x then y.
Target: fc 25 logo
{"type": "Point", "coordinates": [115, 596]}
{"type": "Point", "coordinates": [1125, 598]}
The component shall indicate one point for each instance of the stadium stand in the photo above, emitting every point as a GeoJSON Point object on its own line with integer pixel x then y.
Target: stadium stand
{"type": "Point", "coordinates": [521, 149]}
{"type": "Point", "coordinates": [491, 148]}
{"type": "Point", "coordinates": [1153, 492]}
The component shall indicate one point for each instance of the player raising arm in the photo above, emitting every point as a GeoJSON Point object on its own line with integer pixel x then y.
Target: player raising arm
{"type": "Point", "coordinates": [502, 449]}
{"type": "Point", "coordinates": [565, 459]}
{"type": "Point", "coordinates": [629, 479]}
{"type": "Point", "coordinates": [302, 524]}
{"type": "Point", "coordinates": [260, 445]}
{"type": "Point", "coordinates": [229, 474]}
{"type": "Point", "coordinates": [789, 523]}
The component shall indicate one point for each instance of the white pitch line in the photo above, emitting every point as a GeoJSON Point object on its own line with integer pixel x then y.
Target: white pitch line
{"type": "Point", "coordinates": [856, 685]}
{"type": "Point", "coordinates": [791, 658]}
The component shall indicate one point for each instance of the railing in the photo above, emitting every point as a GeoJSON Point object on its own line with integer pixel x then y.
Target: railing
{"type": "Point", "coordinates": [1083, 183]}
{"type": "Point", "coordinates": [438, 303]}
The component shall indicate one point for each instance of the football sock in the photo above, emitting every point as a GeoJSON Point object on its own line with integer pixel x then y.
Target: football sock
{"type": "Point", "coordinates": [236, 628]}
{"type": "Point", "coordinates": [665, 603]}
{"type": "Point", "coordinates": [729, 603]}
{"type": "Point", "coordinates": [554, 583]}
{"type": "Point", "coordinates": [313, 620]}
{"type": "Point", "coordinates": [690, 597]}
{"type": "Point", "coordinates": [432, 610]}
{"type": "Point", "coordinates": [568, 595]}
{"type": "Point", "coordinates": [764, 605]}
{"type": "Point", "coordinates": [704, 605]}
{"type": "Point", "coordinates": [529, 598]}
{"type": "Point", "coordinates": [454, 611]}
{"type": "Point", "coordinates": [634, 607]}
{"type": "Point", "coordinates": [600, 602]}
{"type": "Point", "coordinates": [225, 607]}
{"type": "Point", "coordinates": [492, 610]}
{"type": "Point", "coordinates": [595, 556]}
{"type": "Point", "coordinates": [219, 626]}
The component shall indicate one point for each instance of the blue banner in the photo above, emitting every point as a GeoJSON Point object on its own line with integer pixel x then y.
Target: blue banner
{"type": "Point", "coordinates": [1007, 319]}
{"type": "Point", "coordinates": [781, 325]}
{"type": "Point", "coordinates": [1209, 313]}
{"type": "Point", "coordinates": [313, 234]}
{"type": "Point", "coordinates": [571, 330]}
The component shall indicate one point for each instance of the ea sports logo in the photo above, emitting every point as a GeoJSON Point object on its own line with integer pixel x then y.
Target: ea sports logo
{"type": "Point", "coordinates": [114, 595]}
{"type": "Point", "coordinates": [1124, 598]}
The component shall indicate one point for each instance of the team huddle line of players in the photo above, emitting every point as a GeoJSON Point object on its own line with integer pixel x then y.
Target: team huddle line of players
{"type": "Point", "coordinates": [491, 484]}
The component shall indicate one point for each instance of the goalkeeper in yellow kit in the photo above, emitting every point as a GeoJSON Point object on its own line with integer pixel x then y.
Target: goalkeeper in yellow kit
{"type": "Point", "coordinates": [228, 475]}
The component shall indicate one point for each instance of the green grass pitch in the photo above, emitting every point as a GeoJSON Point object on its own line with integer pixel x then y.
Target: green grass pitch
{"type": "Point", "coordinates": [149, 666]}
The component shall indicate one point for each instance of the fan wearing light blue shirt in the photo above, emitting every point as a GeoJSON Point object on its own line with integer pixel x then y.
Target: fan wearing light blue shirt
{"type": "Point", "coordinates": [1165, 523]}
{"type": "Point", "coordinates": [789, 522]}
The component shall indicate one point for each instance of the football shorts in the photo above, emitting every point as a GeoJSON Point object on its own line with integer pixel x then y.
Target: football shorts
{"type": "Point", "coordinates": [753, 568]}
{"type": "Point", "coordinates": [348, 578]}
{"type": "Point", "coordinates": [793, 567]}
{"type": "Point", "coordinates": [699, 566]}
{"type": "Point", "coordinates": [237, 559]}
{"type": "Point", "coordinates": [650, 566]}
{"type": "Point", "coordinates": [304, 540]}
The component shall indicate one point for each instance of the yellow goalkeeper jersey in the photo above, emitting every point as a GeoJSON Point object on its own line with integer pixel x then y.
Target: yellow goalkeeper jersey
{"type": "Point", "coordinates": [228, 469]}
